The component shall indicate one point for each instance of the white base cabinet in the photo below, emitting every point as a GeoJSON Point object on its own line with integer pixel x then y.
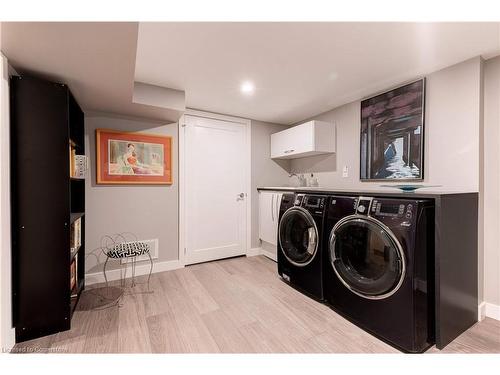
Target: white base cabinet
{"type": "Point", "coordinates": [269, 208]}
{"type": "Point", "coordinates": [310, 138]}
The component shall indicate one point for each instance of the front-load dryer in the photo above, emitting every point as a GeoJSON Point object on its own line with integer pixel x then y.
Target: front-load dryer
{"type": "Point", "coordinates": [300, 242]}
{"type": "Point", "coordinates": [378, 268]}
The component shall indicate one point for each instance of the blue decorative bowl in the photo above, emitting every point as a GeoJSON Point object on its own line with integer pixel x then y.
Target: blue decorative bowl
{"type": "Point", "coordinates": [408, 188]}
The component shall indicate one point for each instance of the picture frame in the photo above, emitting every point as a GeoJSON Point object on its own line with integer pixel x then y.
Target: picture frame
{"type": "Point", "coordinates": [392, 134]}
{"type": "Point", "coordinates": [133, 158]}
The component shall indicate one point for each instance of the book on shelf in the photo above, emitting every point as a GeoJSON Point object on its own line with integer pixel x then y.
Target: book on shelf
{"type": "Point", "coordinates": [77, 163]}
{"type": "Point", "coordinates": [80, 167]}
{"type": "Point", "coordinates": [72, 152]}
{"type": "Point", "coordinates": [72, 280]}
{"type": "Point", "coordinates": [74, 289]}
{"type": "Point", "coordinates": [76, 235]}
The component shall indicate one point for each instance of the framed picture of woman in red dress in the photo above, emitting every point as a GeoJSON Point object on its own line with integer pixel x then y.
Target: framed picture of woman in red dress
{"type": "Point", "coordinates": [133, 158]}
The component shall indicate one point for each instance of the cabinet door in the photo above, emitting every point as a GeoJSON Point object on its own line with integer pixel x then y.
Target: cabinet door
{"type": "Point", "coordinates": [267, 217]}
{"type": "Point", "coordinates": [294, 141]}
{"type": "Point", "coordinates": [281, 143]}
{"type": "Point", "coordinates": [277, 203]}
{"type": "Point", "coordinates": [324, 137]}
{"type": "Point", "coordinates": [301, 139]}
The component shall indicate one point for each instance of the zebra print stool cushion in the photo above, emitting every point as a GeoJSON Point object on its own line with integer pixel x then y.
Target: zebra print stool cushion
{"type": "Point", "coordinates": [129, 249]}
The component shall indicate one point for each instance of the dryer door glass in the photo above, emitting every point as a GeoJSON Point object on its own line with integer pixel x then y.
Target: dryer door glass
{"type": "Point", "coordinates": [298, 236]}
{"type": "Point", "coordinates": [366, 257]}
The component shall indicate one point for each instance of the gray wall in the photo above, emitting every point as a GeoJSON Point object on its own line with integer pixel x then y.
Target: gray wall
{"type": "Point", "coordinates": [491, 181]}
{"type": "Point", "coordinates": [265, 171]}
{"type": "Point", "coordinates": [152, 211]}
{"type": "Point", "coordinates": [149, 211]}
{"type": "Point", "coordinates": [451, 139]}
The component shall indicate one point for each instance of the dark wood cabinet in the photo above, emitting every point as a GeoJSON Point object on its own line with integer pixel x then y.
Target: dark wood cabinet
{"type": "Point", "coordinates": [46, 200]}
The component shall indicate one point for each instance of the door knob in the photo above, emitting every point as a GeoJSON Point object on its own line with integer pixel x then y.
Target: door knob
{"type": "Point", "coordinates": [241, 195]}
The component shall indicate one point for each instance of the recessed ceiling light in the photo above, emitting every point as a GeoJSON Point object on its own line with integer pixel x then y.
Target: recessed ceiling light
{"type": "Point", "coordinates": [247, 88]}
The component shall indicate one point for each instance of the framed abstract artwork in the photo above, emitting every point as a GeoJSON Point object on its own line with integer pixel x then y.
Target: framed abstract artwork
{"type": "Point", "coordinates": [133, 158]}
{"type": "Point", "coordinates": [392, 134]}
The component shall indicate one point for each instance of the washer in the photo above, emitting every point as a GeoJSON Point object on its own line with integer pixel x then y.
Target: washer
{"type": "Point", "coordinates": [300, 242]}
{"type": "Point", "coordinates": [378, 267]}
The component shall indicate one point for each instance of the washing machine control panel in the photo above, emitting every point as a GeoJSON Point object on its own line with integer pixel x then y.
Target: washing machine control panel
{"type": "Point", "coordinates": [392, 209]}
{"type": "Point", "coordinates": [313, 203]}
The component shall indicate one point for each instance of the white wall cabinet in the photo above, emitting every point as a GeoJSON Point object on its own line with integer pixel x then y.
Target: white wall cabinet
{"type": "Point", "coordinates": [310, 138]}
{"type": "Point", "coordinates": [269, 208]}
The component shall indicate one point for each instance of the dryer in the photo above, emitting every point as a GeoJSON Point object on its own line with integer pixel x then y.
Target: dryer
{"type": "Point", "coordinates": [378, 267]}
{"type": "Point", "coordinates": [300, 242]}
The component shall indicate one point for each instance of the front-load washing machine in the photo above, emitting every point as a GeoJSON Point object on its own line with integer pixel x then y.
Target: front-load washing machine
{"type": "Point", "coordinates": [378, 268]}
{"type": "Point", "coordinates": [300, 242]}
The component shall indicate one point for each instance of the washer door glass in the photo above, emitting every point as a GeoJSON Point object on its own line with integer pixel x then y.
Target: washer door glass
{"type": "Point", "coordinates": [298, 236]}
{"type": "Point", "coordinates": [366, 258]}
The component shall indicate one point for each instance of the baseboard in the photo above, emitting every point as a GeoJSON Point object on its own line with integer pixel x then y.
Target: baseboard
{"type": "Point", "coordinates": [492, 311]}
{"type": "Point", "coordinates": [269, 254]}
{"type": "Point", "coordinates": [143, 269]}
{"type": "Point", "coordinates": [254, 251]}
{"type": "Point", "coordinates": [481, 311]}
{"type": "Point", "coordinates": [261, 251]}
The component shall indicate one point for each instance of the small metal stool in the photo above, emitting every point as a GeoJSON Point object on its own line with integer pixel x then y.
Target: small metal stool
{"type": "Point", "coordinates": [125, 246]}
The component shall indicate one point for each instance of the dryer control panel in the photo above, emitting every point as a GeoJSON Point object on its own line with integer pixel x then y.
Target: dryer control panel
{"type": "Point", "coordinates": [381, 207]}
{"type": "Point", "coordinates": [392, 209]}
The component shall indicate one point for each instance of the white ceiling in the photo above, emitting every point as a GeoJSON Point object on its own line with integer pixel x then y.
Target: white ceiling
{"type": "Point", "coordinates": [95, 59]}
{"type": "Point", "coordinates": [299, 69]}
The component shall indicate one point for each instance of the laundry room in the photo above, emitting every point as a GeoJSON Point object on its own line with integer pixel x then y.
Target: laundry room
{"type": "Point", "coordinates": [261, 186]}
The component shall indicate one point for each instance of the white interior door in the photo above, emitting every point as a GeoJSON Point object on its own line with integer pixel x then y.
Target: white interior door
{"type": "Point", "coordinates": [215, 196]}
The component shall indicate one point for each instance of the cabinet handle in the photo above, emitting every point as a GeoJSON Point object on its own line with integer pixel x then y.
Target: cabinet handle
{"type": "Point", "coordinates": [272, 207]}
{"type": "Point", "coordinates": [288, 151]}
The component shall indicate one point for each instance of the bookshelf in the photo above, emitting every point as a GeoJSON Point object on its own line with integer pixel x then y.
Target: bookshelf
{"type": "Point", "coordinates": [48, 206]}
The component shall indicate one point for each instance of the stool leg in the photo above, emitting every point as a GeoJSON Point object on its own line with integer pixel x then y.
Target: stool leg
{"type": "Point", "coordinates": [124, 275]}
{"type": "Point", "coordinates": [104, 271]}
{"type": "Point", "coordinates": [133, 271]}
{"type": "Point", "coordinates": [150, 270]}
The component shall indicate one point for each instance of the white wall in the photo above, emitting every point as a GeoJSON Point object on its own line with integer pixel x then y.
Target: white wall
{"type": "Point", "coordinates": [491, 181]}
{"type": "Point", "coordinates": [451, 138]}
{"type": "Point", "coordinates": [149, 211]}
{"type": "Point", "coordinates": [6, 332]}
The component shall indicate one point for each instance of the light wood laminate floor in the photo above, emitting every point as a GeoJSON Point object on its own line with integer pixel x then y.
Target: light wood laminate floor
{"type": "Point", "coordinates": [235, 305]}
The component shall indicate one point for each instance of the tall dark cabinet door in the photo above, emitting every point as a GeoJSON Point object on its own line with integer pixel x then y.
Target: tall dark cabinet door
{"type": "Point", "coordinates": [40, 210]}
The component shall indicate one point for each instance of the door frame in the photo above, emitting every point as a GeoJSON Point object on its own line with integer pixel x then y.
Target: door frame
{"type": "Point", "coordinates": [182, 186]}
